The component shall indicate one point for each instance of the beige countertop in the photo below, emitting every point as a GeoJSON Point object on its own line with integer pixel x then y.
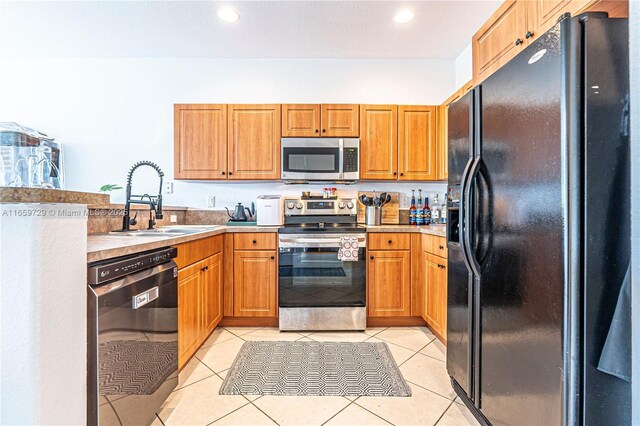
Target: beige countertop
{"type": "Point", "coordinates": [105, 246]}
{"type": "Point", "coordinates": [10, 195]}
{"type": "Point", "coordinates": [437, 230]}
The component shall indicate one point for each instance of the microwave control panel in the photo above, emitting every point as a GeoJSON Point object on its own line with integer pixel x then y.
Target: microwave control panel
{"type": "Point", "coordinates": [350, 160]}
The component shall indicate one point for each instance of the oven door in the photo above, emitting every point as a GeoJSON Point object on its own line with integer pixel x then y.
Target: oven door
{"type": "Point", "coordinates": [311, 275]}
{"type": "Point", "coordinates": [311, 159]}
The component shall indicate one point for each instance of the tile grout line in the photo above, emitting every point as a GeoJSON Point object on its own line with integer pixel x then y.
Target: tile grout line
{"type": "Point", "coordinates": [369, 411]}
{"type": "Point", "coordinates": [158, 417]}
{"type": "Point", "coordinates": [230, 412]}
{"type": "Point", "coordinates": [339, 411]}
{"type": "Point", "coordinates": [259, 409]}
{"type": "Point", "coordinates": [429, 390]}
{"type": "Point", "coordinates": [443, 413]}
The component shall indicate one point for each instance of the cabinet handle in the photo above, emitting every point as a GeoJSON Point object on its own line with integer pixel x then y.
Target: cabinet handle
{"type": "Point", "coordinates": [273, 257]}
{"type": "Point", "coordinates": [401, 174]}
{"type": "Point", "coordinates": [254, 241]}
{"type": "Point", "coordinates": [317, 130]}
{"type": "Point", "coordinates": [324, 130]}
{"type": "Point", "coordinates": [441, 247]}
{"type": "Point", "coordinates": [518, 41]}
{"type": "Point", "coordinates": [390, 242]}
{"type": "Point", "coordinates": [529, 34]}
{"type": "Point", "coordinates": [230, 173]}
{"type": "Point", "coordinates": [371, 257]}
{"type": "Point", "coordinates": [395, 173]}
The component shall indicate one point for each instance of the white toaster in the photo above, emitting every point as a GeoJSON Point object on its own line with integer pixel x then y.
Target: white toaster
{"type": "Point", "coordinates": [270, 210]}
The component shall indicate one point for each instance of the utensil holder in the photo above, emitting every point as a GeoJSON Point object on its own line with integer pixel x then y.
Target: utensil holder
{"type": "Point", "coordinates": [373, 216]}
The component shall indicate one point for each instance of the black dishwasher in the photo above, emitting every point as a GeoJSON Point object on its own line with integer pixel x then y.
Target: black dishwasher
{"type": "Point", "coordinates": [132, 337]}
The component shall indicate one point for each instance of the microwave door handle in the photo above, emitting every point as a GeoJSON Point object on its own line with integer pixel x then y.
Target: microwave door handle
{"type": "Point", "coordinates": [341, 158]}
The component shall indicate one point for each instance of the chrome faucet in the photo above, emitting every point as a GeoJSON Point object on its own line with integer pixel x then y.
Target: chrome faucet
{"type": "Point", "coordinates": [154, 203]}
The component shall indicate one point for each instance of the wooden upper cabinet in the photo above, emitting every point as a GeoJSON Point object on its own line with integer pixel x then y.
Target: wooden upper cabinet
{"type": "Point", "coordinates": [499, 39]}
{"type": "Point", "coordinates": [417, 142]}
{"type": "Point", "coordinates": [200, 141]}
{"type": "Point", "coordinates": [378, 142]}
{"type": "Point", "coordinates": [254, 141]}
{"type": "Point", "coordinates": [389, 283]}
{"type": "Point", "coordinates": [340, 120]}
{"type": "Point", "coordinates": [300, 120]}
{"type": "Point", "coordinates": [255, 283]}
{"type": "Point", "coordinates": [543, 14]}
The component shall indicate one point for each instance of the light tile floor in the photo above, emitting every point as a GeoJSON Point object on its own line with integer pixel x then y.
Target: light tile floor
{"type": "Point", "coordinates": [417, 352]}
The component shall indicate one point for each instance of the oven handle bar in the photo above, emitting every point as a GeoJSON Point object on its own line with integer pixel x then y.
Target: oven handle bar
{"type": "Point", "coordinates": [294, 241]}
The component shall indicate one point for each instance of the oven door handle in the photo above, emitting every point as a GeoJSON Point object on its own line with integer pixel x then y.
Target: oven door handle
{"type": "Point", "coordinates": [341, 158]}
{"type": "Point", "coordinates": [317, 242]}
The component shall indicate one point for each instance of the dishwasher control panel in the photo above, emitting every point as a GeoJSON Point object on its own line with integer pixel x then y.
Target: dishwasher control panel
{"type": "Point", "coordinates": [107, 270]}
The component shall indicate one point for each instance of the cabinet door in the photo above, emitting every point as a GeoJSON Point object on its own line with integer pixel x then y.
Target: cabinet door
{"type": "Point", "coordinates": [378, 142]}
{"type": "Point", "coordinates": [254, 142]}
{"type": "Point", "coordinates": [435, 292]}
{"type": "Point", "coordinates": [189, 319]}
{"type": "Point", "coordinates": [389, 283]}
{"type": "Point", "coordinates": [340, 120]}
{"type": "Point", "coordinates": [200, 141]}
{"type": "Point", "coordinates": [499, 39]}
{"type": "Point", "coordinates": [442, 151]}
{"type": "Point", "coordinates": [255, 283]}
{"type": "Point", "coordinates": [211, 294]}
{"type": "Point", "coordinates": [300, 120]}
{"type": "Point", "coordinates": [417, 142]}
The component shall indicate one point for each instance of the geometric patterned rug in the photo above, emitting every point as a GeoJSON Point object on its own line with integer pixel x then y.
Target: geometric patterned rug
{"type": "Point", "coordinates": [135, 367]}
{"type": "Point", "coordinates": [315, 368]}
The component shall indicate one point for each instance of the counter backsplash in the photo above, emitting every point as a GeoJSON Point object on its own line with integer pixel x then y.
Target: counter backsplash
{"type": "Point", "coordinates": [104, 220]}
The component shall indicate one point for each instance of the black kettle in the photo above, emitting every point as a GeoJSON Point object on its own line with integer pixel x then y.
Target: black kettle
{"type": "Point", "coordinates": [239, 215]}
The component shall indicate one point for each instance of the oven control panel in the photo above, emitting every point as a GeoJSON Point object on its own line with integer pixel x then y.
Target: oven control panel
{"type": "Point", "coordinates": [326, 206]}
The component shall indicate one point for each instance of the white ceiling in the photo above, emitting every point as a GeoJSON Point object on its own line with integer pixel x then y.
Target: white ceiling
{"type": "Point", "coordinates": [267, 29]}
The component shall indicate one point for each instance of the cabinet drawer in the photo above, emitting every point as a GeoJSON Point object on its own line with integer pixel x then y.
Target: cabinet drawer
{"type": "Point", "coordinates": [434, 245]}
{"type": "Point", "coordinates": [389, 241]}
{"type": "Point", "coordinates": [194, 251]}
{"type": "Point", "coordinates": [255, 241]}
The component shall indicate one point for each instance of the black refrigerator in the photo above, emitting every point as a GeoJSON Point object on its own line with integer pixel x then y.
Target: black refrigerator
{"type": "Point", "coordinates": [539, 229]}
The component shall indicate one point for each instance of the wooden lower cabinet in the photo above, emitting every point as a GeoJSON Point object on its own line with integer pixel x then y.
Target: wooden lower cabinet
{"type": "Point", "coordinates": [189, 323]}
{"type": "Point", "coordinates": [255, 283]}
{"type": "Point", "coordinates": [200, 295]}
{"type": "Point", "coordinates": [212, 283]}
{"type": "Point", "coordinates": [389, 283]}
{"type": "Point", "coordinates": [435, 308]}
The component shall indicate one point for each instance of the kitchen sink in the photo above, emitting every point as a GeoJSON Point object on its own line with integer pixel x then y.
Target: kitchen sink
{"type": "Point", "coordinates": [165, 231]}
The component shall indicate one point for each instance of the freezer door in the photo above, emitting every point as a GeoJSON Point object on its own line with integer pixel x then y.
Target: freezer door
{"type": "Point", "coordinates": [459, 277]}
{"type": "Point", "coordinates": [606, 398]}
{"type": "Point", "coordinates": [519, 239]}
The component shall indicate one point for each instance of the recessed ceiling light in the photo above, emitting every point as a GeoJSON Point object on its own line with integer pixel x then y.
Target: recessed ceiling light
{"type": "Point", "coordinates": [403, 16]}
{"type": "Point", "coordinates": [228, 15]}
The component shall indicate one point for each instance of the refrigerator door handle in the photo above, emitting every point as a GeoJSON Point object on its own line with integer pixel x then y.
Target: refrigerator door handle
{"type": "Point", "coordinates": [463, 215]}
{"type": "Point", "coordinates": [471, 258]}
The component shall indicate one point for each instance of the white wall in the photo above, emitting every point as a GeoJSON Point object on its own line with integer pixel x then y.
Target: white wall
{"type": "Point", "coordinates": [110, 113]}
{"type": "Point", "coordinates": [464, 66]}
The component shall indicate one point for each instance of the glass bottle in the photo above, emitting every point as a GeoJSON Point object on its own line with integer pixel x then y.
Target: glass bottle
{"type": "Point", "coordinates": [435, 210]}
{"type": "Point", "coordinates": [412, 209]}
{"type": "Point", "coordinates": [443, 210]}
{"type": "Point", "coordinates": [427, 211]}
{"type": "Point", "coordinates": [419, 209]}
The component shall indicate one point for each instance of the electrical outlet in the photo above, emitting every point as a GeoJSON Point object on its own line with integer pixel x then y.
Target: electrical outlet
{"type": "Point", "coordinates": [405, 202]}
{"type": "Point", "coordinates": [173, 218]}
{"type": "Point", "coordinates": [168, 187]}
{"type": "Point", "coordinates": [211, 201]}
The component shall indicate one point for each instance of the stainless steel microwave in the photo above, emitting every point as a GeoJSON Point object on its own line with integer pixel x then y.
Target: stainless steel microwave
{"type": "Point", "coordinates": [320, 159]}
